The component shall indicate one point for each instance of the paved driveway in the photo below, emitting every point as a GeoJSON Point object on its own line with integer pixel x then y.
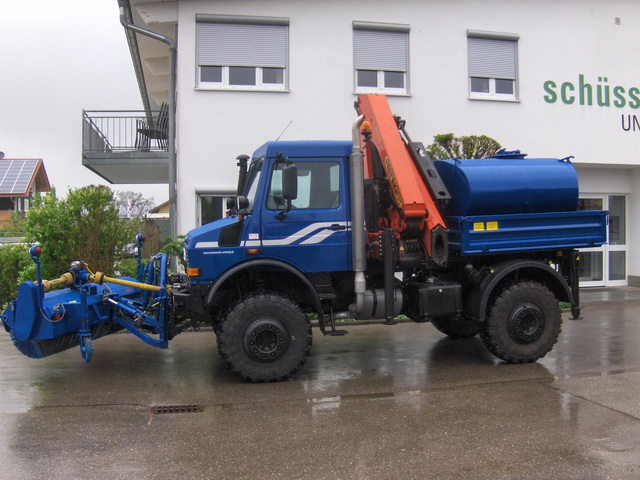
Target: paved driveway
{"type": "Point", "coordinates": [382, 402]}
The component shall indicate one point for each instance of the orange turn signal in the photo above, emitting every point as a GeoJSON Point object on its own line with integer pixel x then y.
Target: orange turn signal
{"type": "Point", "coordinates": [193, 272]}
{"type": "Point", "coordinates": [253, 251]}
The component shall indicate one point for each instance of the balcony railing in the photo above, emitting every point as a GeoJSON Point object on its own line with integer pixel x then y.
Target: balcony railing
{"type": "Point", "coordinates": [108, 131]}
{"type": "Point", "coordinates": [126, 147]}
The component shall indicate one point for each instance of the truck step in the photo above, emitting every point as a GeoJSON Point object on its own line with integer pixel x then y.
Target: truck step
{"type": "Point", "coordinates": [336, 333]}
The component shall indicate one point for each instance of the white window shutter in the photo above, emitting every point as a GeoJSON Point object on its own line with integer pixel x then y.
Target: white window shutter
{"type": "Point", "coordinates": [492, 58]}
{"type": "Point", "coordinates": [239, 45]}
{"type": "Point", "coordinates": [380, 50]}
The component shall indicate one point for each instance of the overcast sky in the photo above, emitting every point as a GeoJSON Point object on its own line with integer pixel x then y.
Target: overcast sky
{"type": "Point", "coordinates": [58, 58]}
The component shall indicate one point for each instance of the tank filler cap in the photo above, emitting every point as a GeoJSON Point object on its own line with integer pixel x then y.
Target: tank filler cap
{"type": "Point", "coordinates": [504, 153]}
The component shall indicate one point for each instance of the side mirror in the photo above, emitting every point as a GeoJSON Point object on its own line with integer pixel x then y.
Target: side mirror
{"type": "Point", "coordinates": [290, 182]}
{"type": "Point", "coordinates": [243, 202]}
{"type": "Point", "coordinates": [231, 205]}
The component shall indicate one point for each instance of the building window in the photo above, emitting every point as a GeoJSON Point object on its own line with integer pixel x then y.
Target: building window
{"type": "Point", "coordinates": [381, 58]}
{"type": "Point", "coordinates": [493, 65]}
{"type": "Point", "coordinates": [211, 206]}
{"type": "Point", "coordinates": [606, 265]}
{"type": "Point", "coordinates": [243, 53]}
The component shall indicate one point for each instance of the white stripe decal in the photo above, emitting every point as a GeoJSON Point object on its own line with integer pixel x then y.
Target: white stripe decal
{"type": "Point", "coordinates": [316, 238]}
{"type": "Point", "coordinates": [206, 245]}
{"type": "Point", "coordinates": [303, 233]}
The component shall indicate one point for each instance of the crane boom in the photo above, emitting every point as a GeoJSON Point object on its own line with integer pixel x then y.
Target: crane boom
{"type": "Point", "coordinates": [413, 212]}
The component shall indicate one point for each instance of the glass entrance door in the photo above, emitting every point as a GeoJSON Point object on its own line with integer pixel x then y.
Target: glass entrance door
{"type": "Point", "coordinates": [606, 265]}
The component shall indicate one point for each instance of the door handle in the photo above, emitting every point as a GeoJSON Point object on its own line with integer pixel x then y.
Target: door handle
{"type": "Point", "coordinates": [337, 226]}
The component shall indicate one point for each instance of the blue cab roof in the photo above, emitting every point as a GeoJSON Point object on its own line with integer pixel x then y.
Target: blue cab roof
{"type": "Point", "coordinates": [305, 148]}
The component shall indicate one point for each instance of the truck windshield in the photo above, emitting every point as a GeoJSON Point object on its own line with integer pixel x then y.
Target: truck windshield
{"type": "Point", "coordinates": [253, 179]}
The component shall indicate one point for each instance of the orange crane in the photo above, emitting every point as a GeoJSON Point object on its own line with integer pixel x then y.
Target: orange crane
{"type": "Point", "coordinates": [411, 207]}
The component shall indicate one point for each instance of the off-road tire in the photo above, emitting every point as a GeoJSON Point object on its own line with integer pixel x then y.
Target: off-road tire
{"type": "Point", "coordinates": [523, 323]}
{"type": "Point", "coordinates": [264, 337]}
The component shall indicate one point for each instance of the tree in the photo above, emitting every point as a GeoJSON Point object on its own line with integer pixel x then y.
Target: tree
{"type": "Point", "coordinates": [49, 223]}
{"type": "Point", "coordinates": [473, 146]}
{"type": "Point", "coordinates": [90, 224]}
{"type": "Point", "coordinates": [133, 205]}
{"type": "Point", "coordinates": [86, 225]}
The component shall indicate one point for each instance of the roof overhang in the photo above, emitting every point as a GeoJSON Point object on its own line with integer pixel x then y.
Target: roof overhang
{"type": "Point", "coordinates": [150, 57]}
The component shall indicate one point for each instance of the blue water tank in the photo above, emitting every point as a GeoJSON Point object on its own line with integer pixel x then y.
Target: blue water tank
{"type": "Point", "coordinates": [509, 184]}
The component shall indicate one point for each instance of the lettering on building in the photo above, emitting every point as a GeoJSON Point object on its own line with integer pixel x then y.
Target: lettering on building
{"type": "Point", "coordinates": [598, 93]}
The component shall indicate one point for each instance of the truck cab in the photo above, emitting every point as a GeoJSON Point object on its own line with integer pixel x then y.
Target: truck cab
{"type": "Point", "coordinates": [267, 224]}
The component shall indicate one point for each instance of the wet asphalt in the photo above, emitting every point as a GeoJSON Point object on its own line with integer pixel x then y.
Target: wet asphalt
{"type": "Point", "coordinates": [383, 402]}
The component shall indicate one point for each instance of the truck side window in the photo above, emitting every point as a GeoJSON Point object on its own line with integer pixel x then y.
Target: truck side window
{"type": "Point", "coordinates": [253, 181]}
{"type": "Point", "coordinates": [318, 186]}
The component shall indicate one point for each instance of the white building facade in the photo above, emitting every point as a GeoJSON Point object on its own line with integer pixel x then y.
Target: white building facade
{"type": "Point", "coordinates": [552, 79]}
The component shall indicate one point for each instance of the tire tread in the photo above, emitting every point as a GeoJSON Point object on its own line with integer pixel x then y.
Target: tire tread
{"type": "Point", "coordinates": [231, 351]}
{"type": "Point", "coordinates": [490, 330]}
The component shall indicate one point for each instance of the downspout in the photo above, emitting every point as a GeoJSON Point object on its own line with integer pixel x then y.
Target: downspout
{"type": "Point", "coordinates": [173, 220]}
{"type": "Point", "coordinates": [132, 41]}
{"type": "Point", "coordinates": [357, 216]}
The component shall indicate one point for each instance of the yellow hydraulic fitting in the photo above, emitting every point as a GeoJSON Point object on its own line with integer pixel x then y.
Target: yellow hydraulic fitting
{"type": "Point", "coordinates": [101, 278]}
{"type": "Point", "coordinates": [64, 279]}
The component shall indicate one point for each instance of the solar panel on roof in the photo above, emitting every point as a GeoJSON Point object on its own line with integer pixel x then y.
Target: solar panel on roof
{"type": "Point", "coordinates": [15, 176]}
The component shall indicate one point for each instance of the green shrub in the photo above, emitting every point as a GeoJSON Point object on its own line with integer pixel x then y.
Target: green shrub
{"type": "Point", "coordinates": [91, 224]}
{"type": "Point", "coordinates": [86, 226]}
{"type": "Point", "coordinates": [127, 267]}
{"type": "Point", "coordinates": [174, 248]}
{"type": "Point", "coordinates": [14, 260]}
{"type": "Point", "coordinates": [447, 145]}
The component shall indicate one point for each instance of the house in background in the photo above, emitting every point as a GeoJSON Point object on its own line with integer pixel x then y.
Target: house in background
{"type": "Point", "coordinates": [553, 80]}
{"type": "Point", "coordinates": [20, 180]}
{"type": "Point", "coordinates": [160, 216]}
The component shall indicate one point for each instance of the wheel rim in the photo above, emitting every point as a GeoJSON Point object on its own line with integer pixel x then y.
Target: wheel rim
{"type": "Point", "coordinates": [266, 339]}
{"type": "Point", "coordinates": [526, 323]}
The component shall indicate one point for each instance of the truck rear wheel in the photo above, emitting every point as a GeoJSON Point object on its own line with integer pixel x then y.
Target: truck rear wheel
{"type": "Point", "coordinates": [523, 324]}
{"type": "Point", "coordinates": [264, 337]}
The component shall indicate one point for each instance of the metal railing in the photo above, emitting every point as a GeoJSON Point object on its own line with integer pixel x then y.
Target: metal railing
{"type": "Point", "coordinates": [110, 131]}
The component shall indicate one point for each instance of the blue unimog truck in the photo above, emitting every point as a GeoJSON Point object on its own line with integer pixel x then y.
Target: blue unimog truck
{"type": "Point", "coordinates": [328, 230]}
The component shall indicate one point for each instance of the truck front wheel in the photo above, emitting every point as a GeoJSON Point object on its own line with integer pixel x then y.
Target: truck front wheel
{"type": "Point", "coordinates": [264, 337]}
{"type": "Point", "coordinates": [523, 323]}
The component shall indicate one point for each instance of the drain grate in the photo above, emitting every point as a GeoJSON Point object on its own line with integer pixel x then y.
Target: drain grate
{"type": "Point", "coordinates": [166, 409]}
